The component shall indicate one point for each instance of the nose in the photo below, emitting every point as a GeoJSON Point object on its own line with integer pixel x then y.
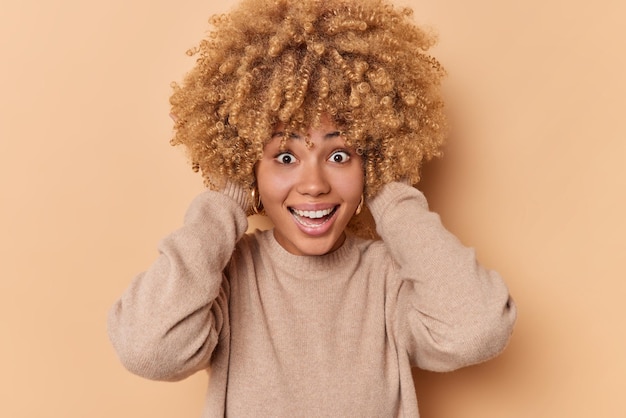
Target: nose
{"type": "Point", "coordinates": [313, 180]}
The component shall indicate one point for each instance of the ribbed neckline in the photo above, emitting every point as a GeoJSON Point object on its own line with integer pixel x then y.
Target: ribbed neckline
{"type": "Point", "coordinates": [345, 258]}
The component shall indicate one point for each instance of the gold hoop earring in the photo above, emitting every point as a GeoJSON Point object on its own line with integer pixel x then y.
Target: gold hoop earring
{"type": "Point", "coordinates": [360, 207]}
{"type": "Point", "coordinates": [257, 205]}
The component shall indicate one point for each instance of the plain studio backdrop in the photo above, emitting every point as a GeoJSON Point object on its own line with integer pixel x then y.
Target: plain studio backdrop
{"type": "Point", "coordinates": [534, 178]}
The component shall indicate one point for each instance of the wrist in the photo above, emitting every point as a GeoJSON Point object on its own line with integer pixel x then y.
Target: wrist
{"type": "Point", "coordinates": [238, 193]}
{"type": "Point", "coordinates": [391, 194]}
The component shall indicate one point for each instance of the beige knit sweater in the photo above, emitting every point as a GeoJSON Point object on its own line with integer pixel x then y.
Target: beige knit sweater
{"type": "Point", "coordinates": [296, 336]}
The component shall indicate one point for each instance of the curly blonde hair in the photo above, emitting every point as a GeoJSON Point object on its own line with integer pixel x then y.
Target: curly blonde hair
{"type": "Point", "coordinates": [291, 61]}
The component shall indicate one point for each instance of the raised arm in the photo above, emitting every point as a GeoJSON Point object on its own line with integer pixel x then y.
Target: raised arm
{"type": "Point", "coordinates": [169, 320]}
{"type": "Point", "coordinates": [451, 311]}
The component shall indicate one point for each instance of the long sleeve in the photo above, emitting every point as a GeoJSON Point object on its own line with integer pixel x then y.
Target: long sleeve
{"type": "Point", "coordinates": [451, 311]}
{"type": "Point", "coordinates": [168, 322]}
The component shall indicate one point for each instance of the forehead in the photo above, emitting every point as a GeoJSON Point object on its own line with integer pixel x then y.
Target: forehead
{"type": "Point", "coordinates": [315, 138]}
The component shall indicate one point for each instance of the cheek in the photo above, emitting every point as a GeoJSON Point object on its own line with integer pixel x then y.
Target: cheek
{"type": "Point", "coordinates": [272, 187]}
{"type": "Point", "coordinates": [352, 184]}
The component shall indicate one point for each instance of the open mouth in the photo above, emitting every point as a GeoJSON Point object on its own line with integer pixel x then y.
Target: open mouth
{"type": "Point", "coordinates": [313, 218]}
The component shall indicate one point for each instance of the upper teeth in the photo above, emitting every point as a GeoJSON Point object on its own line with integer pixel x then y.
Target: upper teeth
{"type": "Point", "coordinates": [313, 214]}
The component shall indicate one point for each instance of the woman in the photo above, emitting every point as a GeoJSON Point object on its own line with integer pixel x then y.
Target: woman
{"type": "Point", "coordinates": [309, 112]}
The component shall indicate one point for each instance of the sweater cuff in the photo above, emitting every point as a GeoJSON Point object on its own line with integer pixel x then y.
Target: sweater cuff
{"type": "Point", "coordinates": [391, 193]}
{"type": "Point", "coordinates": [238, 193]}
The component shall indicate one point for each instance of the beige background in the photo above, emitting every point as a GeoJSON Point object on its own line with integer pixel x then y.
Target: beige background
{"type": "Point", "coordinates": [534, 178]}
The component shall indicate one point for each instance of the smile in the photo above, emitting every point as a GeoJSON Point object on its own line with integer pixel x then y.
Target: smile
{"type": "Point", "coordinates": [313, 218]}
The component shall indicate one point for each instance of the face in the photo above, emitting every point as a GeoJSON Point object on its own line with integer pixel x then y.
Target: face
{"type": "Point", "coordinates": [310, 191]}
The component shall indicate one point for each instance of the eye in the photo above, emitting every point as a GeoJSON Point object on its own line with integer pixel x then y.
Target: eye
{"type": "Point", "coordinates": [339, 157]}
{"type": "Point", "coordinates": [285, 158]}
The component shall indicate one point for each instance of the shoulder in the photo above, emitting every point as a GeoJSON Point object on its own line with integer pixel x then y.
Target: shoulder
{"type": "Point", "coordinates": [373, 253]}
{"type": "Point", "coordinates": [366, 245]}
{"type": "Point", "coordinates": [250, 243]}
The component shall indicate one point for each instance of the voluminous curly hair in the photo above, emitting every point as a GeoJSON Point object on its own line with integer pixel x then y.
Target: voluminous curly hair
{"type": "Point", "coordinates": [363, 63]}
